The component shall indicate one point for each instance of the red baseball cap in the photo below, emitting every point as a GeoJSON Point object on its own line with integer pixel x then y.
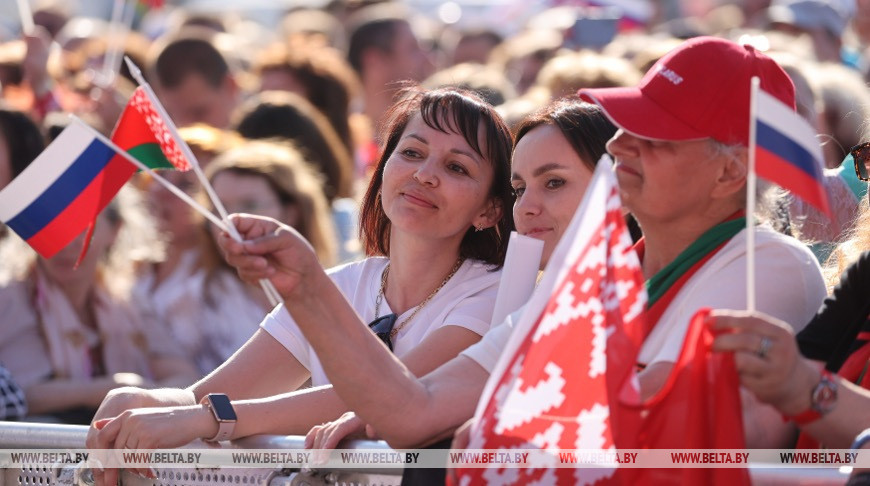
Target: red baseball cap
{"type": "Point", "coordinates": [698, 90]}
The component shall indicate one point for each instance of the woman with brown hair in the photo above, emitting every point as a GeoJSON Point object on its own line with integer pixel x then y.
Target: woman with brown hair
{"type": "Point", "coordinates": [435, 224]}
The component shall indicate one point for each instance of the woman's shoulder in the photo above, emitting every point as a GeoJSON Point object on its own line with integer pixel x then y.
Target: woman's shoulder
{"type": "Point", "coordinates": [357, 269]}
{"type": "Point", "coordinates": [475, 275]}
{"type": "Point", "coordinates": [481, 269]}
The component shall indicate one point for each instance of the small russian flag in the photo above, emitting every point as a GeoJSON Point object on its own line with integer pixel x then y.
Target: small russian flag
{"type": "Point", "coordinates": [787, 151]}
{"type": "Point", "coordinates": [63, 190]}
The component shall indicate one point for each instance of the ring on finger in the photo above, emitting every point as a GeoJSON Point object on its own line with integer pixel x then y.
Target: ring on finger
{"type": "Point", "coordinates": [764, 347]}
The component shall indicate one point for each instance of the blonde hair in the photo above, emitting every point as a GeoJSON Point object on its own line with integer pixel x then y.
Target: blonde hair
{"type": "Point", "coordinates": [854, 242]}
{"type": "Point", "coordinates": [295, 182]}
{"type": "Point", "coordinates": [570, 71]}
{"type": "Point", "coordinates": [209, 139]}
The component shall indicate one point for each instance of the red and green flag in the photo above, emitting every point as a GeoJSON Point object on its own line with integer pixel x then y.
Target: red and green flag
{"type": "Point", "coordinates": [143, 133]}
{"type": "Point", "coordinates": [143, 6]}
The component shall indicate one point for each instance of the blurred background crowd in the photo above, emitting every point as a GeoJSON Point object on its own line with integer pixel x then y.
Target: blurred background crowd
{"type": "Point", "coordinates": [281, 102]}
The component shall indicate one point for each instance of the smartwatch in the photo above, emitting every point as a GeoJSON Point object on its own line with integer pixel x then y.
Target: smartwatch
{"type": "Point", "coordinates": [224, 414]}
{"type": "Point", "coordinates": [823, 398]}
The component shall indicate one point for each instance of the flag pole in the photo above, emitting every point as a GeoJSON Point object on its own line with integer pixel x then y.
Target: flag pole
{"type": "Point", "coordinates": [168, 185]}
{"type": "Point", "coordinates": [268, 288]}
{"type": "Point", "coordinates": [751, 182]}
{"type": "Point", "coordinates": [185, 149]}
{"type": "Point", "coordinates": [26, 16]}
{"type": "Point", "coordinates": [119, 28]}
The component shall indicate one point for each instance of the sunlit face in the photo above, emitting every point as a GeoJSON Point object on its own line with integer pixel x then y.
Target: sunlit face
{"type": "Point", "coordinates": [661, 180]}
{"type": "Point", "coordinates": [549, 179]}
{"type": "Point", "coordinates": [174, 217]}
{"type": "Point", "coordinates": [194, 100]}
{"type": "Point", "coordinates": [252, 194]}
{"type": "Point", "coordinates": [435, 186]}
{"type": "Point", "coordinates": [61, 267]}
{"type": "Point", "coordinates": [407, 59]}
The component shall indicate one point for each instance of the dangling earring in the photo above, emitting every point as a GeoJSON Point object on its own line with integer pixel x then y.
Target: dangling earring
{"type": "Point", "coordinates": [478, 228]}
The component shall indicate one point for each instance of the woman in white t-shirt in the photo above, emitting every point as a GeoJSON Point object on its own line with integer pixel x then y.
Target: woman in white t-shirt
{"type": "Point", "coordinates": [553, 160]}
{"type": "Point", "coordinates": [437, 207]}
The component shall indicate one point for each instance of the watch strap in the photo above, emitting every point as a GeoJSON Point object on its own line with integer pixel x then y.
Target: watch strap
{"type": "Point", "coordinates": [804, 418]}
{"type": "Point", "coordinates": [816, 410]}
{"type": "Point", "coordinates": [225, 427]}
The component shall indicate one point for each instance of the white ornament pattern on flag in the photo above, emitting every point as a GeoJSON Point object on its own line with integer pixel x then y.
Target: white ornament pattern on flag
{"type": "Point", "coordinates": [555, 392]}
{"type": "Point", "coordinates": [158, 126]}
{"type": "Point", "coordinates": [522, 406]}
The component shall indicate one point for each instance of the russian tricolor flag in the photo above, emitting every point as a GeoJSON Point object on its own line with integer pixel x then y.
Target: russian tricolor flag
{"type": "Point", "coordinates": [63, 190]}
{"type": "Point", "coordinates": [787, 152]}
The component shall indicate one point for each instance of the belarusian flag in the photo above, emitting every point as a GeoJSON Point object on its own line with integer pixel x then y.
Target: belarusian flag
{"type": "Point", "coordinates": [566, 373]}
{"type": "Point", "coordinates": [144, 135]}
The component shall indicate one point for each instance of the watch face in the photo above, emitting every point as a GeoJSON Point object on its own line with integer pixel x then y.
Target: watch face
{"type": "Point", "coordinates": [825, 395]}
{"type": "Point", "coordinates": [222, 407]}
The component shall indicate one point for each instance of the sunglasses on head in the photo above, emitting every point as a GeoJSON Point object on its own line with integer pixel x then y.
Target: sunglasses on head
{"type": "Point", "coordinates": [382, 327]}
{"type": "Point", "coordinates": [861, 155]}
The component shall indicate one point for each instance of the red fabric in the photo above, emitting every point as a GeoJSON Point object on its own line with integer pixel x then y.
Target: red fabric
{"type": "Point", "coordinates": [785, 173]}
{"type": "Point", "coordinates": [852, 369]}
{"type": "Point", "coordinates": [559, 392]}
{"type": "Point", "coordinates": [139, 125]}
{"type": "Point", "coordinates": [577, 359]}
{"type": "Point", "coordinates": [654, 312]}
{"type": "Point", "coordinates": [699, 407]}
{"type": "Point", "coordinates": [83, 210]}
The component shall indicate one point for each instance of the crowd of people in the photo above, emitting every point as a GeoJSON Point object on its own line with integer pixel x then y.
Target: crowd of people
{"type": "Point", "coordinates": [377, 162]}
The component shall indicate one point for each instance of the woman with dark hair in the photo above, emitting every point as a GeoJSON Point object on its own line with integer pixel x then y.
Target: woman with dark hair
{"type": "Point", "coordinates": [318, 73]}
{"type": "Point", "coordinates": [435, 224]}
{"type": "Point", "coordinates": [553, 160]}
{"type": "Point", "coordinates": [285, 115]}
{"type": "Point", "coordinates": [20, 142]}
{"type": "Point", "coordinates": [288, 116]}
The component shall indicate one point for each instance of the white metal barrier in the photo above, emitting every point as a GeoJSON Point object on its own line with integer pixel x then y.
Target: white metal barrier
{"type": "Point", "coordinates": [21, 435]}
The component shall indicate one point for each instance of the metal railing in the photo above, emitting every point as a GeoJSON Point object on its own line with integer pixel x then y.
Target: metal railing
{"type": "Point", "coordinates": [21, 435]}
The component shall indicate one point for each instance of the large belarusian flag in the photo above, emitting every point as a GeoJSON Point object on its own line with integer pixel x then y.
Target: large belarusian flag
{"type": "Point", "coordinates": [144, 135]}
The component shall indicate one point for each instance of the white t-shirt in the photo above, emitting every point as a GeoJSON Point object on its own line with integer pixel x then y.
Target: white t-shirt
{"type": "Point", "coordinates": [487, 351]}
{"type": "Point", "coordinates": [789, 286]}
{"type": "Point", "coordinates": [209, 321]}
{"type": "Point", "coordinates": [467, 301]}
